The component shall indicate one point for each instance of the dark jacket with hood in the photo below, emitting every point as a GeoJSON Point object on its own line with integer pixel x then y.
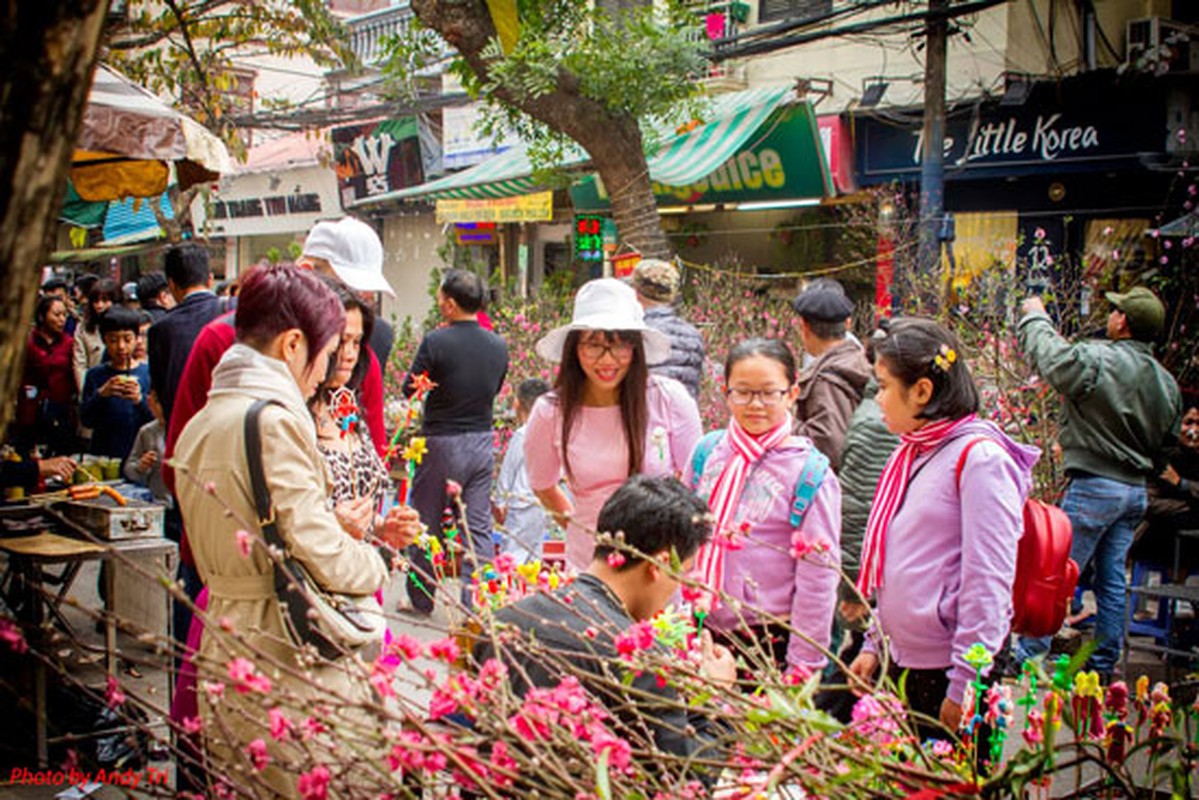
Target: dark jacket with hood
{"type": "Point", "coordinates": [829, 391]}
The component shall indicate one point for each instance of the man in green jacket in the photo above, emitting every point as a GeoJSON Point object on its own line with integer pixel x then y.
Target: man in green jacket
{"type": "Point", "coordinates": [1119, 407]}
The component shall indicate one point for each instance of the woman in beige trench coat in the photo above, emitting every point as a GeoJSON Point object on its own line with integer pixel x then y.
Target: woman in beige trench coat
{"type": "Point", "coordinates": [288, 326]}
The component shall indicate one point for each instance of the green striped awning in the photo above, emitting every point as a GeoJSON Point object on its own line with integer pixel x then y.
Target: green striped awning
{"type": "Point", "coordinates": [680, 160]}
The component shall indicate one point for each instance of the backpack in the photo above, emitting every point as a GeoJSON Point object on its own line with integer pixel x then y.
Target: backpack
{"type": "Point", "coordinates": [1045, 574]}
{"type": "Point", "coordinates": [810, 477]}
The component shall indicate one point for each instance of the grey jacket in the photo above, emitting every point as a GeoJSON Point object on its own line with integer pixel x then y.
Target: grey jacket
{"type": "Point", "coordinates": [686, 362]}
{"type": "Point", "coordinates": [868, 445]}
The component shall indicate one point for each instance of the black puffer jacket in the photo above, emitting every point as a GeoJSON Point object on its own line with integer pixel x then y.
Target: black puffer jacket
{"type": "Point", "coordinates": [686, 362]}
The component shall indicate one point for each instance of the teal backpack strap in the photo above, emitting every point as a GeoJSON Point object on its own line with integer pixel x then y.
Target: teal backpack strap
{"type": "Point", "coordinates": [810, 479]}
{"type": "Point", "coordinates": [699, 456]}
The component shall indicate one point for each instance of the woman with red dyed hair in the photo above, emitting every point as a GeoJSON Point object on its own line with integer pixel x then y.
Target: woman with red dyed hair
{"type": "Point", "coordinates": [288, 326]}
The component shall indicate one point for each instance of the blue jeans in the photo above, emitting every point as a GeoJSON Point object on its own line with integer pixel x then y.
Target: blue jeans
{"type": "Point", "coordinates": [1104, 514]}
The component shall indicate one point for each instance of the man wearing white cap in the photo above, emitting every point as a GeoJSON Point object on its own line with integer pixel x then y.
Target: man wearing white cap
{"type": "Point", "coordinates": [350, 251]}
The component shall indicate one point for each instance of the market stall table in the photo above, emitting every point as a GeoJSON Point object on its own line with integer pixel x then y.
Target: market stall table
{"type": "Point", "coordinates": [30, 572]}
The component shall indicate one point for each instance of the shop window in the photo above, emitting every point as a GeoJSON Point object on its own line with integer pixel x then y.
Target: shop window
{"type": "Point", "coordinates": [793, 10]}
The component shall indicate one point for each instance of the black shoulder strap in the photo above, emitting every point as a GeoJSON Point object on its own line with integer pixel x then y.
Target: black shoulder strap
{"type": "Point", "coordinates": [262, 495]}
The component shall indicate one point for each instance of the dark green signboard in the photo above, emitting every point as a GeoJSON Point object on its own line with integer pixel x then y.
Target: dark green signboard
{"type": "Point", "coordinates": [782, 161]}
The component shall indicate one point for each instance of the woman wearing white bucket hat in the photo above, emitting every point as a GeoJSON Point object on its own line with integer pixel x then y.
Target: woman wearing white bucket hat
{"type": "Point", "coordinates": [607, 417]}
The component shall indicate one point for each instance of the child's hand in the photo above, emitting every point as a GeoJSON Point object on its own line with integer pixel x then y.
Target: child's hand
{"type": "Point", "coordinates": [716, 661]}
{"type": "Point", "coordinates": [951, 714]}
{"type": "Point", "coordinates": [147, 461]}
{"type": "Point", "coordinates": [111, 387]}
{"type": "Point", "coordinates": [862, 671]}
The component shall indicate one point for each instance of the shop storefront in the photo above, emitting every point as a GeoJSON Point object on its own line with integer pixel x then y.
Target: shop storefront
{"type": "Point", "coordinates": [1059, 184]}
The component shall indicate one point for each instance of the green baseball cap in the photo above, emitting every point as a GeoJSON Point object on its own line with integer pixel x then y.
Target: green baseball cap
{"type": "Point", "coordinates": [1145, 313]}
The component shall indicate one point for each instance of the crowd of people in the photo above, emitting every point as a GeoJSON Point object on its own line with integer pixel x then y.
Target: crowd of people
{"type": "Point", "coordinates": [866, 460]}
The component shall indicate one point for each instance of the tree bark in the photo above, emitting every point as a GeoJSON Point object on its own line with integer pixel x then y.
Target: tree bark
{"type": "Point", "coordinates": [49, 52]}
{"type": "Point", "coordinates": [613, 140]}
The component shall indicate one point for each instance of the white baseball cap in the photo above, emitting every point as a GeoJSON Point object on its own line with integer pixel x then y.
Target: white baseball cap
{"type": "Point", "coordinates": [354, 251]}
{"type": "Point", "coordinates": [606, 304]}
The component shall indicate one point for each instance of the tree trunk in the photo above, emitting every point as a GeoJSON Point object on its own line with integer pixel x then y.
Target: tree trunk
{"type": "Point", "coordinates": [49, 49]}
{"type": "Point", "coordinates": [613, 140]}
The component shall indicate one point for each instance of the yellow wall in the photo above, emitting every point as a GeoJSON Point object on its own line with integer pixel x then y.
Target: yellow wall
{"type": "Point", "coordinates": [1005, 38]}
{"type": "Point", "coordinates": [1028, 48]}
{"type": "Point", "coordinates": [847, 61]}
{"type": "Point", "coordinates": [410, 242]}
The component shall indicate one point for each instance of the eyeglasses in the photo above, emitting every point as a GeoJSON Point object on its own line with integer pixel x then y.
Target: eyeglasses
{"type": "Point", "coordinates": [743, 397]}
{"type": "Point", "coordinates": [594, 351]}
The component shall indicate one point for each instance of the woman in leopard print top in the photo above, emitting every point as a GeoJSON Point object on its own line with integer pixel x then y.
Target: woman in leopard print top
{"type": "Point", "coordinates": [359, 478]}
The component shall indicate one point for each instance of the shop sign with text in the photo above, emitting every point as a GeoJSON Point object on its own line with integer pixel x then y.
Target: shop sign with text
{"type": "Point", "coordinates": [536, 207]}
{"type": "Point", "coordinates": [1054, 131]}
{"type": "Point", "coordinates": [375, 158]}
{"type": "Point", "coordinates": [785, 164]}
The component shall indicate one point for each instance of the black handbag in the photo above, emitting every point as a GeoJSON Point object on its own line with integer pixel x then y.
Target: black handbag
{"type": "Point", "coordinates": [335, 624]}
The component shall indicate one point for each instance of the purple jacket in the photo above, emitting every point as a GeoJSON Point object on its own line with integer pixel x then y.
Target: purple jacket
{"type": "Point", "coordinates": [951, 554]}
{"type": "Point", "coordinates": [763, 576]}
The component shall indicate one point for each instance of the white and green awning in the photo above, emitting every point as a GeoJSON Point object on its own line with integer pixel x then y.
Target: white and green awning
{"type": "Point", "coordinates": [681, 160]}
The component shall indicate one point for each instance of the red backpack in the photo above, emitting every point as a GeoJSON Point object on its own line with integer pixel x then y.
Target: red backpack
{"type": "Point", "coordinates": [1045, 573]}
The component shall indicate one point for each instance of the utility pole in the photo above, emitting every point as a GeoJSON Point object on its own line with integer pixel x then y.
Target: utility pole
{"type": "Point", "coordinates": [932, 157]}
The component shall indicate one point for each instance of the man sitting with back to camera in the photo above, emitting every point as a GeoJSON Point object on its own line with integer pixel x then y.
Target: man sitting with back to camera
{"type": "Point", "coordinates": [573, 631]}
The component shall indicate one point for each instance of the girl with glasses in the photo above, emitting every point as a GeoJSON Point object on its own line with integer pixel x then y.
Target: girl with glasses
{"type": "Point", "coordinates": [770, 573]}
{"type": "Point", "coordinates": [607, 417]}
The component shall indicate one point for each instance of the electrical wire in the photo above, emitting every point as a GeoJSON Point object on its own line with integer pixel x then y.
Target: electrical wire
{"type": "Point", "coordinates": [807, 273]}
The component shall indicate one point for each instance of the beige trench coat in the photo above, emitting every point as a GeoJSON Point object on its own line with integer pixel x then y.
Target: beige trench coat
{"type": "Point", "coordinates": [212, 478]}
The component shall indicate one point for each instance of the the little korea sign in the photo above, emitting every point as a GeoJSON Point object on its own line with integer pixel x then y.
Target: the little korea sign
{"type": "Point", "coordinates": [1049, 135]}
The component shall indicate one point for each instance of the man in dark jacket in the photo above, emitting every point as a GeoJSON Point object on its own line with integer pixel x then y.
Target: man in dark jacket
{"type": "Point", "coordinates": [574, 632]}
{"type": "Point", "coordinates": [1119, 405]}
{"type": "Point", "coordinates": [831, 386]}
{"type": "Point", "coordinates": [189, 279]}
{"type": "Point", "coordinates": [657, 285]}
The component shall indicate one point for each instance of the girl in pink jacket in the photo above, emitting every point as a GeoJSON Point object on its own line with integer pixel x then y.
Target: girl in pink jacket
{"type": "Point", "coordinates": [771, 570]}
{"type": "Point", "coordinates": [939, 557]}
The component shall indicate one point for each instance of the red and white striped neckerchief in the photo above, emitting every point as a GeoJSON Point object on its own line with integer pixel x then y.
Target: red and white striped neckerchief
{"type": "Point", "coordinates": [892, 487]}
{"type": "Point", "coordinates": [726, 494]}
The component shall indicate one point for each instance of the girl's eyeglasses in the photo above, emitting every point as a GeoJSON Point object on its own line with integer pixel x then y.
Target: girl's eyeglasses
{"type": "Point", "coordinates": [594, 351]}
{"type": "Point", "coordinates": [743, 397]}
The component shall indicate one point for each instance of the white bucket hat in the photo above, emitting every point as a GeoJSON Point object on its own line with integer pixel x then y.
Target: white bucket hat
{"type": "Point", "coordinates": [354, 251]}
{"type": "Point", "coordinates": [606, 304]}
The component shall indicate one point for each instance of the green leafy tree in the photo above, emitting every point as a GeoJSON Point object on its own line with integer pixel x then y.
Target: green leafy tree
{"type": "Point", "coordinates": [189, 50]}
{"type": "Point", "coordinates": [560, 71]}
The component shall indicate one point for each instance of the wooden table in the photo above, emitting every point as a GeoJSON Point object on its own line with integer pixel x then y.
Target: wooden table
{"type": "Point", "coordinates": [31, 560]}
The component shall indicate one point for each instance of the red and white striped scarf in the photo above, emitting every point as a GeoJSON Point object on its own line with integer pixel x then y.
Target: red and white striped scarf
{"type": "Point", "coordinates": [726, 494]}
{"type": "Point", "coordinates": [892, 487]}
